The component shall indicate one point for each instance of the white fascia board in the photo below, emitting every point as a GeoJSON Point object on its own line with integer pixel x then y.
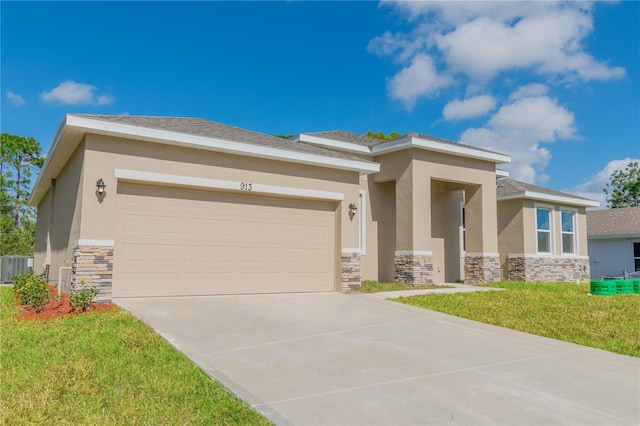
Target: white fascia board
{"type": "Point", "coordinates": [215, 144]}
{"type": "Point", "coordinates": [502, 173]}
{"type": "Point", "coordinates": [431, 145]}
{"type": "Point", "coordinates": [550, 198]}
{"type": "Point", "coordinates": [625, 237]}
{"type": "Point", "coordinates": [254, 188]}
{"type": "Point", "coordinates": [333, 144]}
{"type": "Point", "coordinates": [52, 149]}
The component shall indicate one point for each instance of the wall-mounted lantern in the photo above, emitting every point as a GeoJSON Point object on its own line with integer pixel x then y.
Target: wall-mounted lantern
{"type": "Point", "coordinates": [353, 209]}
{"type": "Point", "coordinates": [101, 186]}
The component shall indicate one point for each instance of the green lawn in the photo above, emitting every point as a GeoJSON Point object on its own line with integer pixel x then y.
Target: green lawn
{"type": "Point", "coordinates": [375, 287]}
{"type": "Point", "coordinates": [556, 310]}
{"type": "Point", "coordinates": [103, 368]}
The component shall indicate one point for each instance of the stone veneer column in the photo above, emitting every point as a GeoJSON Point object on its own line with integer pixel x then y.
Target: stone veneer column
{"type": "Point", "coordinates": [481, 268]}
{"type": "Point", "coordinates": [93, 266]}
{"type": "Point", "coordinates": [350, 275]}
{"type": "Point", "coordinates": [413, 268]}
{"type": "Point", "coordinates": [548, 268]}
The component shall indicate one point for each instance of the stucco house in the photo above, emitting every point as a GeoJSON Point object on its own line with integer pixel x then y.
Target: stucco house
{"type": "Point", "coordinates": [614, 241]}
{"type": "Point", "coordinates": [158, 206]}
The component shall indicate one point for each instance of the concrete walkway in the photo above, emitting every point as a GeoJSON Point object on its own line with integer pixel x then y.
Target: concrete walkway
{"type": "Point", "coordinates": [448, 288]}
{"type": "Point", "coordinates": [336, 359]}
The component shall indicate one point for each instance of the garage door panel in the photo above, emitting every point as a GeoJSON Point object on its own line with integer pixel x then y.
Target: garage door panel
{"type": "Point", "coordinates": [153, 252]}
{"type": "Point", "coordinates": [207, 254]}
{"type": "Point", "coordinates": [158, 283]}
{"type": "Point", "coordinates": [143, 223]}
{"type": "Point", "coordinates": [191, 242]}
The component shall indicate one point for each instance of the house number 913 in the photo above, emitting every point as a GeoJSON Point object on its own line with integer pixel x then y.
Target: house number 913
{"type": "Point", "coordinates": [246, 186]}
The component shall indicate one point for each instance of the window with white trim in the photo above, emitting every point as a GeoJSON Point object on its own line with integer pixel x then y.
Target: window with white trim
{"type": "Point", "coordinates": [568, 231]}
{"type": "Point", "coordinates": [543, 229]}
{"type": "Point", "coordinates": [636, 256]}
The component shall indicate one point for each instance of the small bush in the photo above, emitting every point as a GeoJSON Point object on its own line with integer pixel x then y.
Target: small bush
{"type": "Point", "coordinates": [31, 290]}
{"type": "Point", "coordinates": [82, 298]}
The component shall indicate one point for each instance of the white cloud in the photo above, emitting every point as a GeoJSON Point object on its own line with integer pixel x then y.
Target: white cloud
{"type": "Point", "coordinates": [594, 187]}
{"type": "Point", "coordinates": [469, 108]}
{"type": "Point", "coordinates": [479, 40]}
{"type": "Point", "coordinates": [72, 93]}
{"type": "Point", "coordinates": [533, 89]}
{"type": "Point", "coordinates": [420, 78]}
{"type": "Point", "coordinates": [15, 98]}
{"type": "Point", "coordinates": [518, 128]}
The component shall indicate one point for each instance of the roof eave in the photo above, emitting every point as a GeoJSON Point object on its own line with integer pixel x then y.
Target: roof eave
{"type": "Point", "coordinates": [432, 145]}
{"type": "Point", "coordinates": [88, 125]}
{"type": "Point", "coordinates": [332, 144]}
{"type": "Point", "coordinates": [539, 196]}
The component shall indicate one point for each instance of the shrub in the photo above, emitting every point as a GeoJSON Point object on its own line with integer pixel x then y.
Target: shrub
{"type": "Point", "coordinates": [81, 299]}
{"type": "Point", "coordinates": [31, 290]}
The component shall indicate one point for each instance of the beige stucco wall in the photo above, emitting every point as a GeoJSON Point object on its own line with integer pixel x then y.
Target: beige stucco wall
{"type": "Point", "coordinates": [529, 227]}
{"type": "Point", "coordinates": [105, 154]}
{"type": "Point", "coordinates": [511, 230]}
{"type": "Point", "coordinates": [59, 215]}
{"type": "Point", "coordinates": [40, 257]}
{"type": "Point", "coordinates": [377, 261]}
{"type": "Point", "coordinates": [425, 189]}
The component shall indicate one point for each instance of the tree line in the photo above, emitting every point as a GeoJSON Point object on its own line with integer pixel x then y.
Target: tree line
{"type": "Point", "coordinates": [20, 160]}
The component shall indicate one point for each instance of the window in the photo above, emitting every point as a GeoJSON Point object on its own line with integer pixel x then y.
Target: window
{"type": "Point", "coordinates": [568, 231]}
{"type": "Point", "coordinates": [636, 256]}
{"type": "Point", "coordinates": [543, 228]}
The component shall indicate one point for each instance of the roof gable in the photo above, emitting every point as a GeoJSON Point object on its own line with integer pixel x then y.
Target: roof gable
{"type": "Point", "coordinates": [509, 189]}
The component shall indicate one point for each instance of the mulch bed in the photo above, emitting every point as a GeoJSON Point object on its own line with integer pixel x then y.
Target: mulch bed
{"type": "Point", "coordinates": [58, 307]}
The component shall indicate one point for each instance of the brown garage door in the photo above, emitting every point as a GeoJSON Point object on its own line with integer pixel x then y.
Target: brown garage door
{"type": "Point", "coordinates": [172, 241]}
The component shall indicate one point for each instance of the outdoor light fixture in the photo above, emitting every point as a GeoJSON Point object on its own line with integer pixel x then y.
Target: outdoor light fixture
{"type": "Point", "coordinates": [101, 186]}
{"type": "Point", "coordinates": [353, 208]}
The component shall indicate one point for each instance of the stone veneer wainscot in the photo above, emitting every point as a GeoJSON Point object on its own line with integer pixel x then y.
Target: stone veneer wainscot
{"type": "Point", "coordinates": [93, 265]}
{"type": "Point", "coordinates": [548, 268]}
{"type": "Point", "coordinates": [412, 268]}
{"type": "Point", "coordinates": [481, 268]}
{"type": "Point", "coordinates": [350, 271]}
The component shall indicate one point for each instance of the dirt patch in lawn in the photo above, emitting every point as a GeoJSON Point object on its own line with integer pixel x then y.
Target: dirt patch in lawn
{"type": "Point", "coordinates": [58, 306]}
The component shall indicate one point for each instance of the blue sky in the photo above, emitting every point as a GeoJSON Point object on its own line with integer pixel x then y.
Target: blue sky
{"type": "Point", "coordinates": [555, 85]}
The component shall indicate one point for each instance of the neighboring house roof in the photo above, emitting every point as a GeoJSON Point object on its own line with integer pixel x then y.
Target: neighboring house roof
{"type": "Point", "coordinates": [193, 133]}
{"type": "Point", "coordinates": [353, 142]}
{"type": "Point", "coordinates": [621, 223]}
{"type": "Point", "coordinates": [509, 189]}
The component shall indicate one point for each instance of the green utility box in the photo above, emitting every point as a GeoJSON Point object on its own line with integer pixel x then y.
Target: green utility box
{"type": "Point", "coordinates": [624, 286]}
{"type": "Point", "coordinates": [604, 287]}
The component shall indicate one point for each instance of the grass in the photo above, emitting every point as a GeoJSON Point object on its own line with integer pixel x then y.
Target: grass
{"type": "Point", "coordinates": [376, 287]}
{"type": "Point", "coordinates": [103, 368]}
{"type": "Point", "coordinates": [556, 310]}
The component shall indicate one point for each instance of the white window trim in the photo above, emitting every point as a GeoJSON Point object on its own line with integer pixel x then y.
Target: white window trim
{"type": "Point", "coordinates": [575, 230]}
{"type": "Point", "coordinates": [552, 243]}
{"type": "Point", "coordinates": [362, 230]}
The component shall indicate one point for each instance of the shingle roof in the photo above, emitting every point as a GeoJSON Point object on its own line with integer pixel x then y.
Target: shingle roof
{"type": "Point", "coordinates": [611, 222]}
{"type": "Point", "coordinates": [212, 129]}
{"type": "Point", "coordinates": [343, 136]}
{"type": "Point", "coordinates": [445, 141]}
{"type": "Point", "coordinates": [507, 187]}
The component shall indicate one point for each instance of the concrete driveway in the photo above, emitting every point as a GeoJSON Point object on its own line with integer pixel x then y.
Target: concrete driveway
{"type": "Point", "coordinates": [335, 359]}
